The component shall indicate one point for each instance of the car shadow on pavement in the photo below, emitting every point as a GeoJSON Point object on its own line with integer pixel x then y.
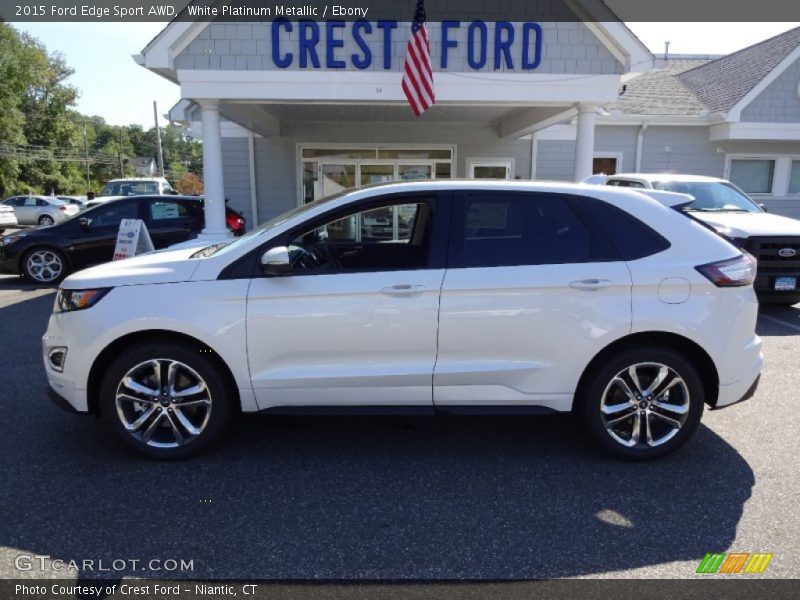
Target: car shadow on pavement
{"type": "Point", "coordinates": [352, 497]}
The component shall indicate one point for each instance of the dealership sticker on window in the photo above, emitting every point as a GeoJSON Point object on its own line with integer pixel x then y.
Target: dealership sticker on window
{"type": "Point", "coordinates": [132, 239]}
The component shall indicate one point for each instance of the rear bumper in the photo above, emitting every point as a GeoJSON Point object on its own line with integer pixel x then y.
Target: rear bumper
{"type": "Point", "coordinates": [745, 386]}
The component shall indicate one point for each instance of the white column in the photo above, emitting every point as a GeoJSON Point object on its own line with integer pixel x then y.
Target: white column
{"type": "Point", "coordinates": [213, 183]}
{"type": "Point", "coordinates": [584, 142]}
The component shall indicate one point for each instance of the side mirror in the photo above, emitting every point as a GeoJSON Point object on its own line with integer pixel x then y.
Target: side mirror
{"type": "Point", "coordinates": [276, 261]}
{"type": "Point", "coordinates": [84, 222]}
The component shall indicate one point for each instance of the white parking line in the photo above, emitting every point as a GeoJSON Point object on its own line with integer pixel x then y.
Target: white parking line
{"type": "Point", "coordinates": [777, 321]}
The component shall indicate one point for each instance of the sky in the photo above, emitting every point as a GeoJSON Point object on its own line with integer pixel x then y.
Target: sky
{"type": "Point", "coordinates": [113, 86]}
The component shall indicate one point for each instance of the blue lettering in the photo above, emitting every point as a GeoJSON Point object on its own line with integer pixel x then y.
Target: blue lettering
{"type": "Point", "coordinates": [501, 45]}
{"type": "Point", "coordinates": [309, 38]}
{"type": "Point", "coordinates": [364, 61]}
{"type": "Point", "coordinates": [483, 33]}
{"type": "Point", "coordinates": [280, 61]}
{"type": "Point", "coordinates": [387, 27]}
{"type": "Point", "coordinates": [448, 43]}
{"type": "Point", "coordinates": [332, 42]}
{"type": "Point", "coordinates": [526, 44]}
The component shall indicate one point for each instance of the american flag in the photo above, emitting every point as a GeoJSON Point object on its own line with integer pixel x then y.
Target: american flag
{"type": "Point", "coordinates": [418, 75]}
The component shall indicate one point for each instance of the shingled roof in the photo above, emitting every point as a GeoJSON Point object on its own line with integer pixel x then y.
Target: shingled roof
{"type": "Point", "coordinates": [660, 92]}
{"type": "Point", "coordinates": [721, 83]}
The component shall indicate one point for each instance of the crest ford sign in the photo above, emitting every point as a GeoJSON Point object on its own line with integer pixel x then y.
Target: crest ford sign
{"type": "Point", "coordinates": [499, 45]}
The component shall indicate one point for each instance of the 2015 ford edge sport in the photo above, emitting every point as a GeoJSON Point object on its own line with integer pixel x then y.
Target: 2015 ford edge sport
{"type": "Point", "coordinates": [439, 297]}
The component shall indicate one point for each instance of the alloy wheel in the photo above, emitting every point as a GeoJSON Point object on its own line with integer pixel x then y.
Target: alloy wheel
{"type": "Point", "coordinates": [44, 266]}
{"type": "Point", "coordinates": [163, 403]}
{"type": "Point", "coordinates": [645, 405]}
{"type": "Point", "coordinates": [46, 221]}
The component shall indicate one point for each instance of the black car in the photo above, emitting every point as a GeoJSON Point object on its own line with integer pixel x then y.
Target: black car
{"type": "Point", "coordinates": [48, 254]}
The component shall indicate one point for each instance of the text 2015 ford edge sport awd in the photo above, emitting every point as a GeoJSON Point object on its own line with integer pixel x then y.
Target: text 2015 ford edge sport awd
{"type": "Point", "coordinates": [427, 296]}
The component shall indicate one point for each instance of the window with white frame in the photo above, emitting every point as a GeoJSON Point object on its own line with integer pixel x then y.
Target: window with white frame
{"type": "Point", "coordinates": [753, 175]}
{"type": "Point", "coordinates": [327, 170]}
{"type": "Point", "coordinates": [490, 168]}
{"type": "Point", "coordinates": [794, 178]}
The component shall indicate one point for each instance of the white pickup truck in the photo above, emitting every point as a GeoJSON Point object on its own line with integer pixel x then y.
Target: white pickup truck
{"type": "Point", "coordinates": [772, 239]}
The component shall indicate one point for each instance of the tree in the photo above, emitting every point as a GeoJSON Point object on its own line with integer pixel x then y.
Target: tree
{"type": "Point", "coordinates": [189, 184]}
{"type": "Point", "coordinates": [44, 141]}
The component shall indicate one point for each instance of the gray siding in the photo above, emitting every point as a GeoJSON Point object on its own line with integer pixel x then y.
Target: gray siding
{"type": "Point", "coordinates": [779, 102]}
{"type": "Point", "coordinates": [236, 175]}
{"type": "Point", "coordinates": [690, 151]}
{"type": "Point", "coordinates": [554, 160]}
{"type": "Point", "coordinates": [276, 158]}
{"type": "Point", "coordinates": [567, 47]}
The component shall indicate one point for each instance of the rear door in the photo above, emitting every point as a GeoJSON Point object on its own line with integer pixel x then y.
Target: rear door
{"type": "Point", "coordinates": [530, 294]}
{"type": "Point", "coordinates": [169, 221]}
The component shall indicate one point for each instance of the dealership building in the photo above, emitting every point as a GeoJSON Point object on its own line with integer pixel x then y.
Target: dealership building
{"type": "Point", "coordinates": [293, 110]}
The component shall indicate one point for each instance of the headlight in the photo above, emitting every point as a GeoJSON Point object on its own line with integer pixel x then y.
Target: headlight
{"type": "Point", "coordinates": [10, 239]}
{"type": "Point", "coordinates": [69, 300]}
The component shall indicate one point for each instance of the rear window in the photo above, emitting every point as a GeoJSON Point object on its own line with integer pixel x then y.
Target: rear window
{"type": "Point", "coordinates": [632, 238]}
{"type": "Point", "coordinates": [130, 188]}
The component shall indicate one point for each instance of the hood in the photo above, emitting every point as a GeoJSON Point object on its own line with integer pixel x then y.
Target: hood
{"type": "Point", "coordinates": [743, 225]}
{"type": "Point", "coordinates": [164, 266]}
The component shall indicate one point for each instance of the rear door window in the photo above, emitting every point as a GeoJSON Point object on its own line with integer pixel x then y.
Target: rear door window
{"type": "Point", "coordinates": [501, 229]}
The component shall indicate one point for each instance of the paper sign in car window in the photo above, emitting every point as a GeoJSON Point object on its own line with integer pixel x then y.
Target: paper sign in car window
{"type": "Point", "coordinates": [165, 210]}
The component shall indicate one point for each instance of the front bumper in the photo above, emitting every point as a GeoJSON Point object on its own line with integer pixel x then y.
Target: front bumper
{"type": "Point", "coordinates": [61, 402]}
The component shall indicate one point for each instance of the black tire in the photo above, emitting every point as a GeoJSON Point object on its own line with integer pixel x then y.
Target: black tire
{"type": "Point", "coordinates": [25, 271]}
{"type": "Point", "coordinates": [688, 396]}
{"type": "Point", "coordinates": [219, 395]}
{"type": "Point", "coordinates": [46, 221]}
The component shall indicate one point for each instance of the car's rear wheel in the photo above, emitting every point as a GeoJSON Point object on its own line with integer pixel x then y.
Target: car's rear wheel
{"type": "Point", "coordinates": [643, 403]}
{"type": "Point", "coordinates": [166, 401]}
{"type": "Point", "coordinates": [43, 265]}
{"type": "Point", "coordinates": [46, 221]}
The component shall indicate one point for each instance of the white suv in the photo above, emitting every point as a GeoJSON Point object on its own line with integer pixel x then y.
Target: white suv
{"type": "Point", "coordinates": [494, 297]}
{"type": "Point", "coordinates": [774, 240]}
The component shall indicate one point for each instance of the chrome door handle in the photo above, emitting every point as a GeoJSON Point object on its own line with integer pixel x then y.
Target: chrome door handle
{"type": "Point", "coordinates": [405, 289]}
{"type": "Point", "coordinates": [590, 284]}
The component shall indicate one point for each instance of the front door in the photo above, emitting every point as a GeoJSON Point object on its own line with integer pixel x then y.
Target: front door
{"type": "Point", "coordinates": [94, 242]}
{"type": "Point", "coordinates": [355, 321]}
{"type": "Point", "coordinates": [530, 293]}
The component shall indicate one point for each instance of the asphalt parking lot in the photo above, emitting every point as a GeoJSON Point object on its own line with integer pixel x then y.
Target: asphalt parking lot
{"type": "Point", "coordinates": [396, 498]}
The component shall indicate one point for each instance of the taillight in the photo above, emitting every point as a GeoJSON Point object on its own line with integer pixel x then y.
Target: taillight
{"type": "Point", "coordinates": [733, 272]}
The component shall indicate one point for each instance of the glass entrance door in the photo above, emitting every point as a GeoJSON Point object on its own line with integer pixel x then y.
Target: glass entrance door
{"type": "Point", "coordinates": [375, 173]}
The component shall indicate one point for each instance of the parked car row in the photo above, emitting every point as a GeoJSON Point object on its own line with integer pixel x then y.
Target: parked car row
{"type": "Point", "coordinates": [48, 254]}
{"type": "Point", "coordinates": [501, 297]}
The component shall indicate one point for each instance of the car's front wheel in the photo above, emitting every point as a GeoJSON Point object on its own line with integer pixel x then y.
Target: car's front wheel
{"type": "Point", "coordinates": [44, 265]}
{"type": "Point", "coordinates": [643, 403]}
{"type": "Point", "coordinates": [166, 401]}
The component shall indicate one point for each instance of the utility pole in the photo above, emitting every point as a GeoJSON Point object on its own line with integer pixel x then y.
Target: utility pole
{"type": "Point", "coordinates": [119, 155]}
{"type": "Point", "coordinates": [86, 155]}
{"type": "Point", "coordinates": [158, 142]}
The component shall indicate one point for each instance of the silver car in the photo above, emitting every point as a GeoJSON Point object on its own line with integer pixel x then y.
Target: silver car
{"type": "Point", "coordinates": [7, 217]}
{"type": "Point", "coordinates": [40, 210]}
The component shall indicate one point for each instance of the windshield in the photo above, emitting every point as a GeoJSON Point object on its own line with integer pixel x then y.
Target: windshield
{"type": "Point", "coordinates": [711, 196]}
{"type": "Point", "coordinates": [129, 188]}
{"type": "Point", "coordinates": [269, 225]}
